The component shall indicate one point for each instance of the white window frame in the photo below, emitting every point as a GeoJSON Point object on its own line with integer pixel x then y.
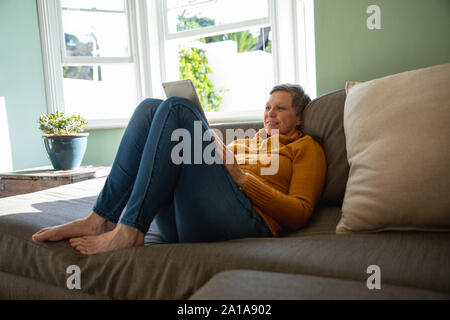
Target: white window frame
{"type": "Point", "coordinates": [305, 46]}
{"type": "Point", "coordinates": [53, 49]}
{"type": "Point", "coordinates": [293, 49]}
{"type": "Point", "coordinates": [218, 116]}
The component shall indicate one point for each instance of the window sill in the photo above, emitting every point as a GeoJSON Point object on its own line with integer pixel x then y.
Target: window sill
{"type": "Point", "coordinates": [213, 118]}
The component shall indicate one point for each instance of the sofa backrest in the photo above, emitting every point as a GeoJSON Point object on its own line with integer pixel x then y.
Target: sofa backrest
{"type": "Point", "coordinates": [240, 134]}
{"type": "Point", "coordinates": [322, 120]}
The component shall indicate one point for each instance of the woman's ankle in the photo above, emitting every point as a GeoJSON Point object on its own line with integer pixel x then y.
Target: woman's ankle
{"type": "Point", "coordinates": [131, 232]}
{"type": "Point", "coordinates": [97, 220]}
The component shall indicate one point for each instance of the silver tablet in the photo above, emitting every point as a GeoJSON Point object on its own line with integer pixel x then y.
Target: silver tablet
{"type": "Point", "coordinates": [184, 89]}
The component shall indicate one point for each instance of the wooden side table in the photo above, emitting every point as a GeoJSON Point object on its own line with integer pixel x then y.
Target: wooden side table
{"type": "Point", "coordinates": [41, 178]}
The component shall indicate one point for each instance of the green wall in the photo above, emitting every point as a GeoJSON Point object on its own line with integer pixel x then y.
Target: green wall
{"type": "Point", "coordinates": [22, 82]}
{"type": "Point", "coordinates": [414, 34]}
{"type": "Point", "coordinates": [102, 146]}
{"type": "Point", "coordinates": [23, 88]}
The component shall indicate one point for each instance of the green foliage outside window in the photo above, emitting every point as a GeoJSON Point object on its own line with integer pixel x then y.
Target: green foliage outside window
{"type": "Point", "coordinates": [194, 63]}
{"type": "Point", "coordinates": [245, 40]}
{"type": "Point", "coordinates": [194, 66]}
{"type": "Point", "coordinates": [75, 47]}
{"type": "Point", "coordinates": [189, 23]}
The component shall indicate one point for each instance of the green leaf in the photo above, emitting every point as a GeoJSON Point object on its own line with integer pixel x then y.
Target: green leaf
{"type": "Point", "coordinates": [194, 66]}
{"type": "Point", "coordinates": [58, 123]}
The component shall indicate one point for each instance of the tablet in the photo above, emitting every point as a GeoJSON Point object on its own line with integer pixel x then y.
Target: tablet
{"type": "Point", "coordinates": [184, 89]}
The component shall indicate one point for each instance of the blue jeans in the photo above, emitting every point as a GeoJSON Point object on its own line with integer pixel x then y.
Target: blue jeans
{"type": "Point", "coordinates": [191, 202]}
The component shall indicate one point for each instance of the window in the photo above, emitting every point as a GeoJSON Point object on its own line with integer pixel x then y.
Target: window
{"type": "Point", "coordinates": [98, 66]}
{"type": "Point", "coordinates": [101, 57]}
{"type": "Point", "coordinates": [211, 42]}
{"type": "Point", "coordinates": [95, 58]}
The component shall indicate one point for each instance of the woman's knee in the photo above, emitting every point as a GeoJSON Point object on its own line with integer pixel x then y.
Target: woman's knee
{"type": "Point", "coordinates": [183, 108]}
{"type": "Point", "coordinates": [147, 106]}
{"type": "Point", "coordinates": [178, 101]}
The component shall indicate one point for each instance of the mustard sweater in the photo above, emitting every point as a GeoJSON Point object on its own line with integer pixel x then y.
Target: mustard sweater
{"type": "Point", "coordinates": [284, 198]}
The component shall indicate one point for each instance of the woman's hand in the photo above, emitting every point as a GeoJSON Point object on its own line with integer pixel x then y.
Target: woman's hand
{"type": "Point", "coordinates": [229, 160]}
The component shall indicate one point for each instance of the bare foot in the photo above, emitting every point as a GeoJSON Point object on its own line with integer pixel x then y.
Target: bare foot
{"type": "Point", "coordinates": [121, 237]}
{"type": "Point", "coordinates": [91, 225]}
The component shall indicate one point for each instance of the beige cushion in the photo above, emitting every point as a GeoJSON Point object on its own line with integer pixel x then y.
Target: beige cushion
{"type": "Point", "coordinates": [397, 136]}
{"type": "Point", "coordinates": [349, 85]}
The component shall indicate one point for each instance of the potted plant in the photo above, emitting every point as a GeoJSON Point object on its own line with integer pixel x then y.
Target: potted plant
{"type": "Point", "coordinates": [63, 139]}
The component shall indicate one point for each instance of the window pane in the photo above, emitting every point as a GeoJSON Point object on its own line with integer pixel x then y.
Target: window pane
{"type": "Point", "coordinates": [101, 91]}
{"type": "Point", "coordinates": [95, 33]}
{"type": "Point", "coordinates": [114, 5]}
{"type": "Point", "coordinates": [231, 72]}
{"type": "Point", "coordinates": [187, 14]}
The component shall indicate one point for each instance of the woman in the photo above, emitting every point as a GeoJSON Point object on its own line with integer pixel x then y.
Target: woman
{"type": "Point", "coordinates": [199, 201]}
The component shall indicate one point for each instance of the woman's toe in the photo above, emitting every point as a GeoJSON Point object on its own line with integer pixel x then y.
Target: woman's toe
{"type": "Point", "coordinates": [40, 235]}
{"type": "Point", "coordinates": [42, 230]}
{"type": "Point", "coordinates": [75, 242]}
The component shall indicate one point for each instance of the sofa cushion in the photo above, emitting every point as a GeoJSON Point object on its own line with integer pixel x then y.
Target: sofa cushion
{"type": "Point", "coordinates": [259, 285]}
{"type": "Point", "coordinates": [323, 120]}
{"type": "Point", "coordinates": [349, 85]}
{"type": "Point", "coordinates": [238, 130]}
{"type": "Point", "coordinates": [176, 271]}
{"type": "Point", "coordinates": [14, 287]}
{"type": "Point", "coordinates": [397, 136]}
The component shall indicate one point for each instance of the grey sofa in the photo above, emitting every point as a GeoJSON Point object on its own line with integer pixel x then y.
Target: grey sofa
{"type": "Point", "coordinates": [311, 263]}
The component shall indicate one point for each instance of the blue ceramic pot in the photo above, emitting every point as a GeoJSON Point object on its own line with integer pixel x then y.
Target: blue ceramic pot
{"type": "Point", "coordinates": [66, 152]}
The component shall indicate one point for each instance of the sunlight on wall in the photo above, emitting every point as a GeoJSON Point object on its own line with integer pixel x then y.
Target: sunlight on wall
{"type": "Point", "coordinates": [5, 145]}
